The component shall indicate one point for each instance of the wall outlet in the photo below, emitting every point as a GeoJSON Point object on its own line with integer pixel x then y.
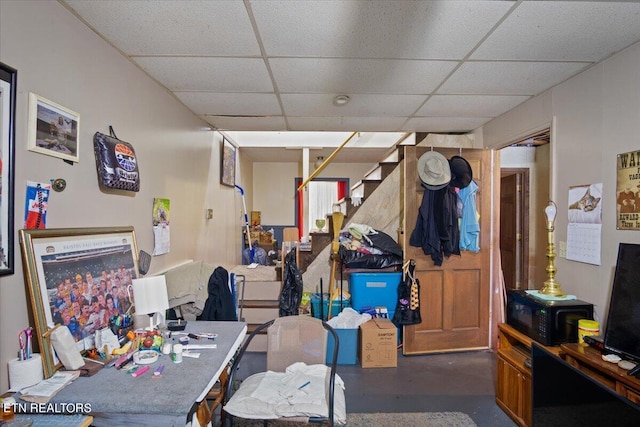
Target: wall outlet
{"type": "Point", "coordinates": [562, 249]}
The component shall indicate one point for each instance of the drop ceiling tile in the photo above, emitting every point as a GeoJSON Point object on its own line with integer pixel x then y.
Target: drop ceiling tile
{"type": "Point", "coordinates": [469, 105]}
{"type": "Point", "coordinates": [359, 105]}
{"type": "Point", "coordinates": [351, 76]}
{"type": "Point", "coordinates": [172, 27]}
{"type": "Point", "coordinates": [264, 124]}
{"type": "Point", "coordinates": [508, 78]}
{"type": "Point", "coordinates": [444, 124]}
{"type": "Point", "coordinates": [224, 104]}
{"type": "Point", "coordinates": [215, 74]}
{"type": "Point", "coordinates": [564, 31]}
{"type": "Point", "coordinates": [347, 124]}
{"type": "Point", "coordinates": [380, 29]}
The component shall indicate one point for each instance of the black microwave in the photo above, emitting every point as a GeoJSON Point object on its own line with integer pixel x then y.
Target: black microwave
{"type": "Point", "coordinates": [548, 322]}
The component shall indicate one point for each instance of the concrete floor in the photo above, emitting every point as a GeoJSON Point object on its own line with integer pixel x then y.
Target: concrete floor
{"type": "Point", "coordinates": [460, 382]}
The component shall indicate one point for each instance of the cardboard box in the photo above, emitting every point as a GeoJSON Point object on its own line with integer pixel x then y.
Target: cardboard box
{"type": "Point", "coordinates": [378, 344]}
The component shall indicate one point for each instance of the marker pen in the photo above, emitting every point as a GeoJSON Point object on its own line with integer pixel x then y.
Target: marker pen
{"type": "Point", "coordinates": [158, 370]}
{"type": "Point", "coordinates": [140, 371]}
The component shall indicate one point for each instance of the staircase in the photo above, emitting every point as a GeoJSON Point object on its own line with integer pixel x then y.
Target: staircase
{"type": "Point", "coordinates": [260, 301]}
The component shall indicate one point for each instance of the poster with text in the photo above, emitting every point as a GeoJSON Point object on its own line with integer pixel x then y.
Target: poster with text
{"type": "Point", "coordinates": [628, 191]}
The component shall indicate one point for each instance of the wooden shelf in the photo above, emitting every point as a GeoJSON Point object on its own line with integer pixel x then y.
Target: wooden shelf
{"type": "Point", "coordinates": [589, 361]}
{"type": "Point", "coordinates": [513, 389]}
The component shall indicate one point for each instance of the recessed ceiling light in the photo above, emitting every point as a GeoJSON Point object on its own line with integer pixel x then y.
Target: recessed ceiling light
{"type": "Point", "coordinates": [340, 100]}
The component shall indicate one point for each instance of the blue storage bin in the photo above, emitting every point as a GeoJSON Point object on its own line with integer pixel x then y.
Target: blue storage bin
{"type": "Point", "coordinates": [335, 306]}
{"type": "Point", "coordinates": [348, 349]}
{"type": "Point", "coordinates": [375, 289]}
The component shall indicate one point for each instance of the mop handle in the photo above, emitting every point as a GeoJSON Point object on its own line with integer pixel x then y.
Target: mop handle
{"type": "Point", "coordinates": [246, 221]}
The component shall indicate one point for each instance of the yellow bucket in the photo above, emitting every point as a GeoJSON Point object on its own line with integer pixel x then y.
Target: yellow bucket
{"type": "Point", "coordinates": [587, 327]}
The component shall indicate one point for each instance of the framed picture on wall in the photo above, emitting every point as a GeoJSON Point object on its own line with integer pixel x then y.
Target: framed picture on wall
{"type": "Point", "coordinates": [8, 88]}
{"type": "Point", "coordinates": [228, 164]}
{"type": "Point", "coordinates": [53, 129]}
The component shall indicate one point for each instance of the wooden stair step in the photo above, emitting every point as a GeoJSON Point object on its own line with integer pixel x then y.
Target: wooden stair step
{"type": "Point", "coordinates": [260, 304]}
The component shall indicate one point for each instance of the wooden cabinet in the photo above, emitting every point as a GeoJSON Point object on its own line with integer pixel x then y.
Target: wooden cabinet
{"type": "Point", "coordinates": [513, 389]}
{"type": "Point", "coordinates": [589, 361]}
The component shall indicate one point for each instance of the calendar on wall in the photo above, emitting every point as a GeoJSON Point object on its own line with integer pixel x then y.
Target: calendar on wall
{"type": "Point", "coordinates": [584, 232]}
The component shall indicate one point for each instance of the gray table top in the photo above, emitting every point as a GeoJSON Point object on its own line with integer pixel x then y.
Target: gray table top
{"type": "Point", "coordinates": [113, 393]}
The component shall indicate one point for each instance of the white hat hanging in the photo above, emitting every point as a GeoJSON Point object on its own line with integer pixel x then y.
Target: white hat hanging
{"type": "Point", "coordinates": [434, 170]}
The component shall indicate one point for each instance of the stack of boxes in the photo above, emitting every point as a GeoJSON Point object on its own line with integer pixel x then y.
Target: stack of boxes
{"type": "Point", "coordinates": [376, 293]}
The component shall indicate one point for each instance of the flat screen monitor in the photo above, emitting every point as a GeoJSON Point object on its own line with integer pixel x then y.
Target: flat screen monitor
{"type": "Point", "coordinates": [622, 333]}
{"type": "Point", "coordinates": [564, 396]}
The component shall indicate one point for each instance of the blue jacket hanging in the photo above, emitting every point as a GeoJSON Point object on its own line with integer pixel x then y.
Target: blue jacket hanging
{"type": "Point", "coordinates": [469, 226]}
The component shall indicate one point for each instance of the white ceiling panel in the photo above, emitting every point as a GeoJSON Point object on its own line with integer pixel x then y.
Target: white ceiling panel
{"type": "Point", "coordinates": [425, 66]}
{"type": "Point", "coordinates": [265, 124]}
{"type": "Point", "coordinates": [564, 31]}
{"type": "Point", "coordinates": [441, 124]}
{"type": "Point", "coordinates": [231, 104]}
{"type": "Point", "coordinates": [359, 105]}
{"type": "Point", "coordinates": [374, 29]}
{"type": "Point", "coordinates": [373, 124]}
{"type": "Point", "coordinates": [508, 78]}
{"type": "Point", "coordinates": [469, 105]}
{"type": "Point", "coordinates": [318, 75]}
{"type": "Point", "coordinates": [208, 74]}
{"type": "Point", "coordinates": [171, 27]}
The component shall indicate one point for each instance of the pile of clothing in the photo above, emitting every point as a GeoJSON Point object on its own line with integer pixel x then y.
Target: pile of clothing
{"type": "Point", "coordinates": [447, 219]}
{"type": "Point", "coordinates": [361, 246]}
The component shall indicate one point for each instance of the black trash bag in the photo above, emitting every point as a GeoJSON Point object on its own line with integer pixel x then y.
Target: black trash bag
{"type": "Point", "coordinates": [385, 243]}
{"type": "Point", "coordinates": [291, 295]}
{"type": "Point", "coordinates": [355, 259]}
{"type": "Point", "coordinates": [408, 305]}
{"type": "Point", "coordinates": [220, 304]}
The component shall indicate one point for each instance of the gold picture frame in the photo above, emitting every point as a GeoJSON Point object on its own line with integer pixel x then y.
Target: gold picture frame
{"type": "Point", "coordinates": [51, 257]}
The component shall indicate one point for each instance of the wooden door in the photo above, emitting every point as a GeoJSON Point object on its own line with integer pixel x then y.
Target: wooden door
{"type": "Point", "coordinates": [514, 239]}
{"type": "Point", "coordinates": [455, 297]}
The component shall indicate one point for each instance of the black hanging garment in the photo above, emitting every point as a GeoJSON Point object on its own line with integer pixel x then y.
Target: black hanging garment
{"type": "Point", "coordinates": [408, 305]}
{"type": "Point", "coordinates": [291, 295]}
{"type": "Point", "coordinates": [220, 303]}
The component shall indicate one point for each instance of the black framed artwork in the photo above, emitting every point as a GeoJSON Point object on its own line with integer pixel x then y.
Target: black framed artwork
{"type": "Point", "coordinates": [8, 89]}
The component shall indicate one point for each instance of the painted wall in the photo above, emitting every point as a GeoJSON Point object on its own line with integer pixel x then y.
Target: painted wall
{"type": "Point", "coordinates": [595, 116]}
{"type": "Point", "coordinates": [59, 58]}
{"type": "Point", "coordinates": [274, 187]}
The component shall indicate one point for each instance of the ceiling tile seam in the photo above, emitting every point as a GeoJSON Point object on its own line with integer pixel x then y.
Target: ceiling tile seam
{"type": "Point", "coordinates": [265, 58]}
{"type": "Point", "coordinates": [466, 57]}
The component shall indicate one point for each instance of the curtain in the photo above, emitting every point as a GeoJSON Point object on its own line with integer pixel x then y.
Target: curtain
{"type": "Point", "coordinates": [322, 196]}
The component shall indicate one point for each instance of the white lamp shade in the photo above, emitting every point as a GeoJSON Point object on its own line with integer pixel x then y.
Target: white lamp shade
{"type": "Point", "coordinates": [150, 295]}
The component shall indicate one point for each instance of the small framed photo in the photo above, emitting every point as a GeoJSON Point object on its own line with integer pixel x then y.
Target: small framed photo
{"type": "Point", "coordinates": [53, 129]}
{"type": "Point", "coordinates": [228, 164]}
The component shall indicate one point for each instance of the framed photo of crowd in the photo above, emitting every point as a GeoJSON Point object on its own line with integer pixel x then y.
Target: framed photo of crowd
{"type": "Point", "coordinates": [80, 278]}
